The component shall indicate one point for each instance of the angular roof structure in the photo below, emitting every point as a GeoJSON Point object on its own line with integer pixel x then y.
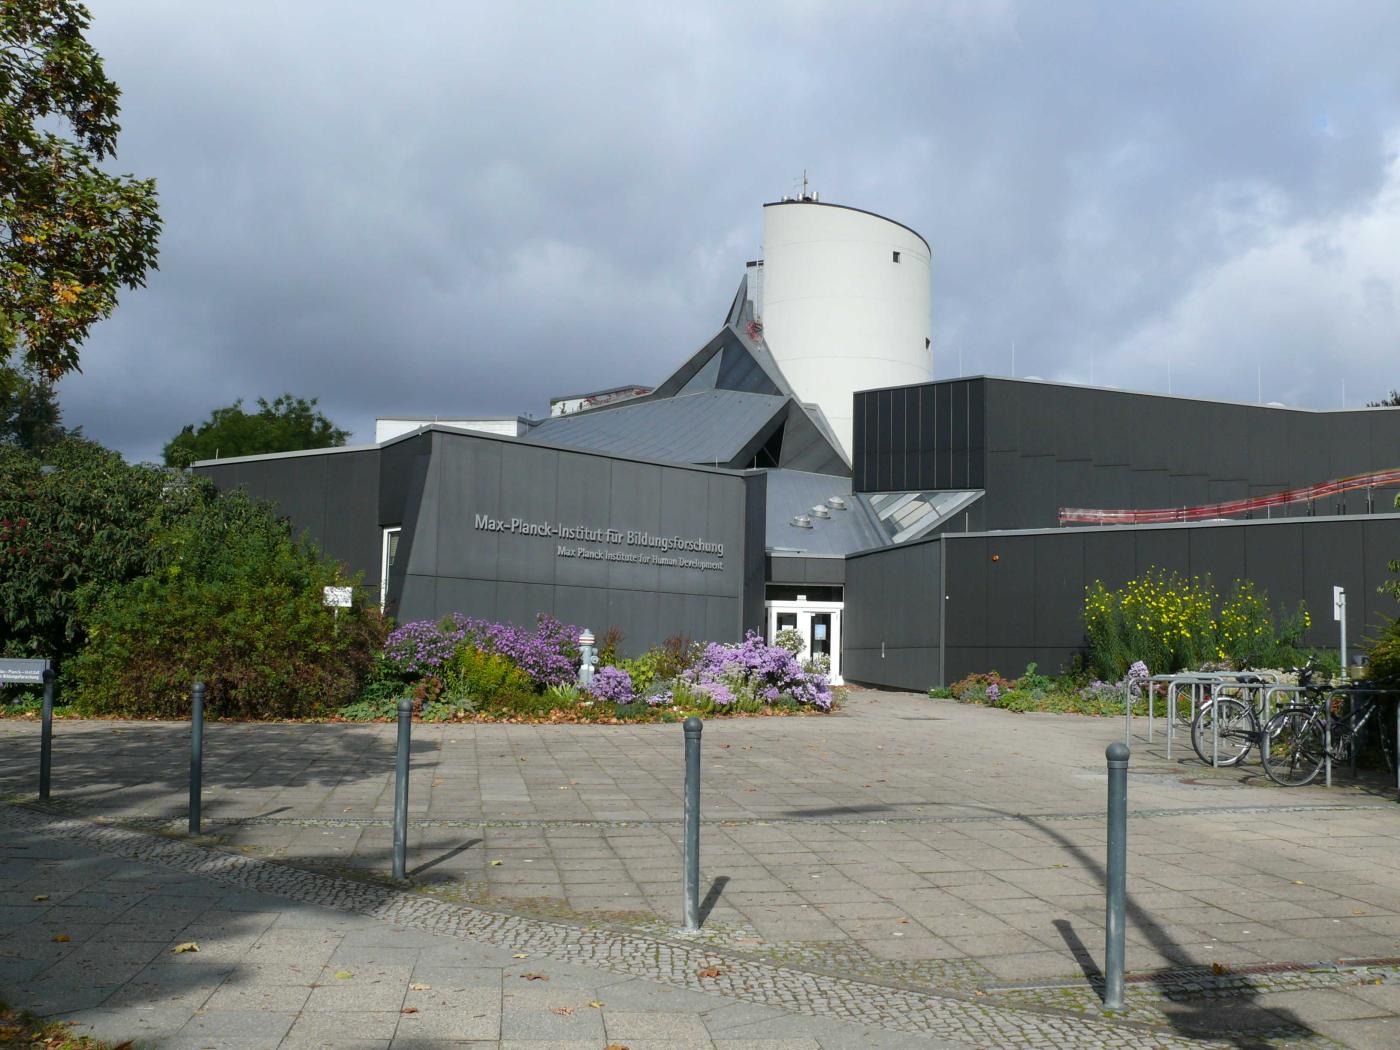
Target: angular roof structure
{"type": "Point", "coordinates": [716, 427]}
{"type": "Point", "coordinates": [727, 405]}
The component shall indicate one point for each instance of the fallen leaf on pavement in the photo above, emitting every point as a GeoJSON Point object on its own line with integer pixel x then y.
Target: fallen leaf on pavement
{"type": "Point", "coordinates": [409, 1010]}
{"type": "Point", "coordinates": [420, 987]}
{"type": "Point", "coordinates": [534, 977]}
{"type": "Point", "coordinates": [62, 938]}
{"type": "Point", "coordinates": [495, 864]}
{"type": "Point", "coordinates": [616, 1046]}
{"type": "Point", "coordinates": [1219, 968]}
{"type": "Point", "coordinates": [343, 975]}
{"type": "Point", "coordinates": [563, 1011]}
{"type": "Point", "coordinates": [709, 971]}
{"type": "Point", "coordinates": [595, 1004]}
{"type": "Point", "coordinates": [522, 955]}
{"type": "Point", "coordinates": [42, 897]}
{"type": "Point", "coordinates": [1299, 882]}
{"type": "Point", "coordinates": [188, 946]}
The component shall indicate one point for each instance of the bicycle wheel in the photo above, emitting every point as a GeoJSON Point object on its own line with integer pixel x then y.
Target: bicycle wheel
{"type": "Point", "coordinates": [1238, 730]}
{"type": "Point", "coordinates": [1296, 746]}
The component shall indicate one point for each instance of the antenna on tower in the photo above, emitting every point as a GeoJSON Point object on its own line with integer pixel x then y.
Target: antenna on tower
{"type": "Point", "coordinates": [804, 184]}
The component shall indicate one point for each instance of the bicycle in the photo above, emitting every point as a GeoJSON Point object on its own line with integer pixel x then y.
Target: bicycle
{"type": "Point", "coordinates": [1299, 735]}
{"type": "Point", "coordinates": [1238, 724]}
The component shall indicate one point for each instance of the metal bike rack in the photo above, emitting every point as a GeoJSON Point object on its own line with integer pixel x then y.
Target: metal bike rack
{"type": "Point", "coordinates": [1252, 685]}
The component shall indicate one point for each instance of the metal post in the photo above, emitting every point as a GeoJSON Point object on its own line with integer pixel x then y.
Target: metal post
{"type": "Point", "coordinates": [1215, 730]}
{"type": "Point", "coordinates": [196, 753]}
{"type": "Point", "coordinates": [46, 737]}
{"type": "Point", "coordinates": [401, 788]}
{"type": "Point", "coordinates": [1114, 933]}
{"type": "Point", "coordinates": [1342, 616]}
{"type": "Point", "coordinates": [1351, 728]}
{"type": "Point", "coordinates": [1171, 717]}
{"type": "Point", "coordinates": [693, 727]}
{"type": "Point", "coordinates": [1327, 736]}
{"type": "Point", "coordinates": [1128, 719]}
{"type": "Point", "coordinates": [1151, 715]}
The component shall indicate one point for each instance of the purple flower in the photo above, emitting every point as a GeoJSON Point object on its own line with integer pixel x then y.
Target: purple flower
{"type": "Point", "coordinates": [993, 693]}
{"type": "Point", "coordinates": [548, 654]}
{"type": "Point", "coordinates": [754, 668]}
{"type": "Point", "coordinates": [611, 683]}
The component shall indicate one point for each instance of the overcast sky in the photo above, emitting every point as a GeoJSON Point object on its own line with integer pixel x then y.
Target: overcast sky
{"type": "Point", "coordinates": [461, 209]}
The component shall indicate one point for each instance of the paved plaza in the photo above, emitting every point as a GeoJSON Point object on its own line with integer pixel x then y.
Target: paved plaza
{"type": "Point", "coordinates": [908, 872]}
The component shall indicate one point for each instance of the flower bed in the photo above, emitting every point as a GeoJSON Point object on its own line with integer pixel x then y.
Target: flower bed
{"type": "Point", "coordinates": [461, 669]}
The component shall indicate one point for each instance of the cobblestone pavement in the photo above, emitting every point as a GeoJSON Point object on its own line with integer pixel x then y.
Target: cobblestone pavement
{"type": "Point", "coordinates": [907, 843]}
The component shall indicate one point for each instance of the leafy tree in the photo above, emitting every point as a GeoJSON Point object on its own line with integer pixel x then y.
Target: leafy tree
{"type": "Point", "coordinates": [285, 425]}
{"type": "Point", "coordinates": [29, 413]}
{"type": "Point", "coordinates": [73, 523]}
{"type": "Point", "coordinates": [1393, 401]}
{"type": "Point", "coordinates": [70, 233]}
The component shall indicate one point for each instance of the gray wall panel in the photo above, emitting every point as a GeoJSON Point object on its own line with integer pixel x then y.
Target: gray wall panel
{"type": "Point", "coordinates": [1180, 451]}
{"type": "Point", "coordinates": [1290, 560]}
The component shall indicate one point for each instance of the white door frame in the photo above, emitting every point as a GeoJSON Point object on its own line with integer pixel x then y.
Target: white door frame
{"type": "Point", "coordinates": [802, 611]}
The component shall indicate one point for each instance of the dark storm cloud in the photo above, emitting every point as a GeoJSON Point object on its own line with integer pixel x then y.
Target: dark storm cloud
{"type": "Point", "coordinates": [462, 209]}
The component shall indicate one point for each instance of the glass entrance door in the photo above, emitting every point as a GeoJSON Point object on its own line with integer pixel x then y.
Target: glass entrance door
{"type": "Point", "coordinates": [818, 624]}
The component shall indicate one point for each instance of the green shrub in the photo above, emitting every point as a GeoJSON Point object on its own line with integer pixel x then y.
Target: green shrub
{"type": "Point", "coordinates": [448, 710]}
{"type": "Point", "coordinates": [236, 601]}
{"type": "Point", "coordinates": [1169, 622]}
{"type": "Point", "coordinates": [482, 676]}
{"type": "Point", "coordinates": [1385, 656]}
{"type": "Point", "coordinates": [370, 709]}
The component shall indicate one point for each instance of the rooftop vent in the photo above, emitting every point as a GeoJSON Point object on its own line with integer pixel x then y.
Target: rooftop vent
{"type": "Point", "coordinates": [801, 521]}
{"type": "Point", "coordinates": [836, 503]}
{"type": "Point", "coordinates": [820, 512]}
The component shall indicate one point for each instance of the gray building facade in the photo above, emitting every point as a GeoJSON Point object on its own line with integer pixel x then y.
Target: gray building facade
{"type": "Point", "coordinates": [1034, 447]}
{"type": "Point", "coordinates": [936, 610]}
{"type": "Point", "coordinates": [448, 521]}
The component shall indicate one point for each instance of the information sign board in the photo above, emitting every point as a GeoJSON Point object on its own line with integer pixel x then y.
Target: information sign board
{"type": "Point", "coordinates": [15, 671]}
{"type": "Point", "coordinates": [338, 597]}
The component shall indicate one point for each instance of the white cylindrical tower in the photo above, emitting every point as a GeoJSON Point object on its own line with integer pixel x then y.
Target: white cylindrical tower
{"type": "Point", "coordinates": [845, 303]}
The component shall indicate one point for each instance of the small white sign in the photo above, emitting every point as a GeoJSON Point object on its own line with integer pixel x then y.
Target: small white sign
{"type": "Point", "coordinates": [1339, 603]}
{"type": "Point", "coordinates": [820, 631]}
{"type": "Point", "coordinates": [338, 597]}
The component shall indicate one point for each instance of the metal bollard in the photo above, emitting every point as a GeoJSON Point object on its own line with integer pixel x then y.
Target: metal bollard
{"type": "Point", "coordinates": [693, 727]}
{"type": "Point", "coordinates": [401, 788]}
{"type": "Point", "coordinates": [196, 753]}
{"type": "Point", "coordinates": [46, 737]}
{"type": "Point", "coordinates": [1117, 755]}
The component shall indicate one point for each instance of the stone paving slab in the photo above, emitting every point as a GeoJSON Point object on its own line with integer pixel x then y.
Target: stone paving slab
{"type": "Point", "coordinates": [570, 968]}
{"type": "Point", "coordinates": [966, 856]}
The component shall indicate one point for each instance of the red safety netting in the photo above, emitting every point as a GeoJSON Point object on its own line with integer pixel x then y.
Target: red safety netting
{"type": "Point", "coordinates": [1229, 508]}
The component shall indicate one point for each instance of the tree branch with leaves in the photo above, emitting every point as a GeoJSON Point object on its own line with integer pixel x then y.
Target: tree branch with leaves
{"type": "Point", "coordinates": [71, 234]}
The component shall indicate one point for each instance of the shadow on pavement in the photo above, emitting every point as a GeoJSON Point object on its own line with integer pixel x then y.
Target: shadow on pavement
{"type": "Point", "coordinates": [130, 768]}
{"type": "Point", "coordinates": [442, 858]}
{"type": "Point", "coordinates": [1250, 1024]}
{"type": "Point", "coordinates": [712, 897]}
